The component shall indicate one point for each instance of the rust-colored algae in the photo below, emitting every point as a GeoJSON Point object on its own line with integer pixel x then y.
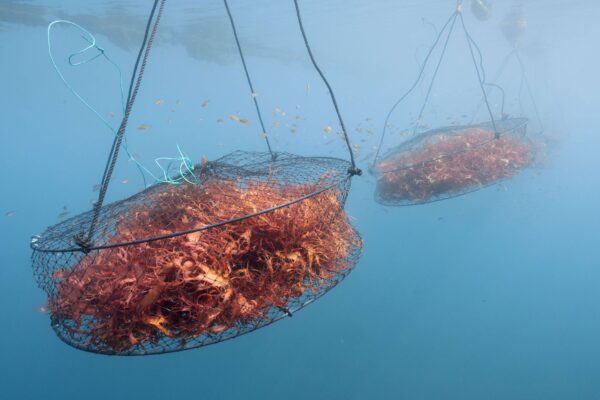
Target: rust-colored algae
{"type": "Point", "coordinates": [450, 165]}
{"type": "Point", "coordinates": [208, 281]}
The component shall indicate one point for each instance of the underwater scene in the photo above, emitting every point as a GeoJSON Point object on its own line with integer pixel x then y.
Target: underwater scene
{"type": "Point", "coordinates": [300, 199]}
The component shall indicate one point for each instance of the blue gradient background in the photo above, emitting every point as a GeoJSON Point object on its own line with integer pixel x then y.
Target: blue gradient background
{"type": "Point", "coordinates": [493, 295]}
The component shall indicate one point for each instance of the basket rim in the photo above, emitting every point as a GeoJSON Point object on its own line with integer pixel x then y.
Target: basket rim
{"type": "Point", "coordinates": [340, 178]}
{"type": "Point", "coordinates": [519, 122]}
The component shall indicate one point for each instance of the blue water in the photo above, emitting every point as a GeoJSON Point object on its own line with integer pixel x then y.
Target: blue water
{"type": "Point", "coordinates": [493, 295]}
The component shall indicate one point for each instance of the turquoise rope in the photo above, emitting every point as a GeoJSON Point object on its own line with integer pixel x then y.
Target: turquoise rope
{"type": "Point", "coordinates": [186, 165]}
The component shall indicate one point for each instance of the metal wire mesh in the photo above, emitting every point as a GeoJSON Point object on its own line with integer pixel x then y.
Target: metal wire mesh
{"type": "Point", "coordinates": [273, 238]}
{"type": "Point", "coordinates": [451, 161]}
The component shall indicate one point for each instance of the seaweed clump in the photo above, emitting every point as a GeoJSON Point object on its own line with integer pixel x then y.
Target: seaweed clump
{"type": "Point", "coordinates": [207, 283]}
{"type": "Point", "coordinates": [448, 164]}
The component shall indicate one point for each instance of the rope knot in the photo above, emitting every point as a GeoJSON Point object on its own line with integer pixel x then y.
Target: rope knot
{"type": "Point", "coordinates": [354, 171]}
{"type": "Point", "coordinates": [84, 243]}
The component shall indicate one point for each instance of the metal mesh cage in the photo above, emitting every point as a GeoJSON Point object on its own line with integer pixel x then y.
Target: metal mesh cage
{"type": "Point", "coordinates": [182, 266]}
{"type": "Point", "coordinates": [452, 161]}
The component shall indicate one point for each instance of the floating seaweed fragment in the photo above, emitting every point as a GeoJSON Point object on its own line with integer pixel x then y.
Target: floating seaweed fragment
{"type": "Point", "coordinates": [237, 118]}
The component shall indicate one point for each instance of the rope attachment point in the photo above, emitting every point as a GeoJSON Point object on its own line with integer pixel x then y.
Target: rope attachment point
{"type": "Point", "coordinates": [84, 244]}
{"type": "Point", "coordinates": [352, 171]}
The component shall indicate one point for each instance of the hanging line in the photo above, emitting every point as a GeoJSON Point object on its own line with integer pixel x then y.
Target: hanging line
{"type": "Point", "coordinates": [524, 81]}
{"type": "Point", "coordinates": [252, 92]}
{"type": "Point", "coordinates": [419, 64]}
{"type": "Point", "coordinates": [435, 72]}
{"type": "Point", "coordinates": [449, 22]}
{"type": "Point", "coordinates": [480, 74]}
{"type": "Point", "coordinates": [528, 87]}
{"type": "Point", "coordinates": [84, 242]}
{"type": "Point", "coordinates": [496, 78]}
{"type": "Point", "coordinates": [185, 162]}
{"type": "Point", "coordinates": [449, 25]}
{"type": "Point", "coordinates": [353, 169]}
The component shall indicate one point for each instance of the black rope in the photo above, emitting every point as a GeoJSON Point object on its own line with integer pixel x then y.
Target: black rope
{"type": "Point", "coordinates": [528, 87]}
{"type": "Point", "coordinates": [84, 242]}
{"type": "Point", "coordinates": [480, 74]}
{"type": "Point", "coordinates": [353, 169]}
{"type": "Point", "coordinates": [435, 72]}
{"type": "Point", "coordinates": [496, 78]}
{"type": "Point", "coordinates": [479, 69]}
{"type": "Point", "coordinates": [524, 81]}
{"type": "Point", "coordinates": [253, 93]}
{"type": "Point", "coordinates": [502, 94]}
{"type": "Point", "coordinates": [414, 85]}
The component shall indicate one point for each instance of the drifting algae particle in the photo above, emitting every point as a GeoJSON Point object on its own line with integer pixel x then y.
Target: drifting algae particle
{"type": "Point", "coordinates": [237, 118]}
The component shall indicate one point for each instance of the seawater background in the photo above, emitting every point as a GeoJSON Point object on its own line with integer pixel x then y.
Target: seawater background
{"type": "Point", "coordinates": [491, 295]}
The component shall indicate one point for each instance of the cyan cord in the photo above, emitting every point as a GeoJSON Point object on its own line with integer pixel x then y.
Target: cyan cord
{"type": "Point", "coordinates": [185, 163]}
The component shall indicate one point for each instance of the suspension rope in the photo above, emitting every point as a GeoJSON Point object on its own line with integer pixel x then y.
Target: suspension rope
{"type": "Point", "coordinates": [84, 242]}
{"type": "Point", "coordinates": [502, 97]}
{"type": "Point", "coordinates": [528, 87]}
{"type": "Point", "coordinates": [435, 72]}
{"type": "Point", "coordinates": [252, 92]}
{"type": "Point", "coordinates": [478, 63]}
{"type": "Point", "coordinates": [479, 69]}
{"type": "Point", "coordinates": [353, 169]}
{"type": "Point", "coordinates": [496, 78]}
{"type": "Point", "coordinates": [414, 85]}
{"type": "Point", "coordinates": [480, 74]}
